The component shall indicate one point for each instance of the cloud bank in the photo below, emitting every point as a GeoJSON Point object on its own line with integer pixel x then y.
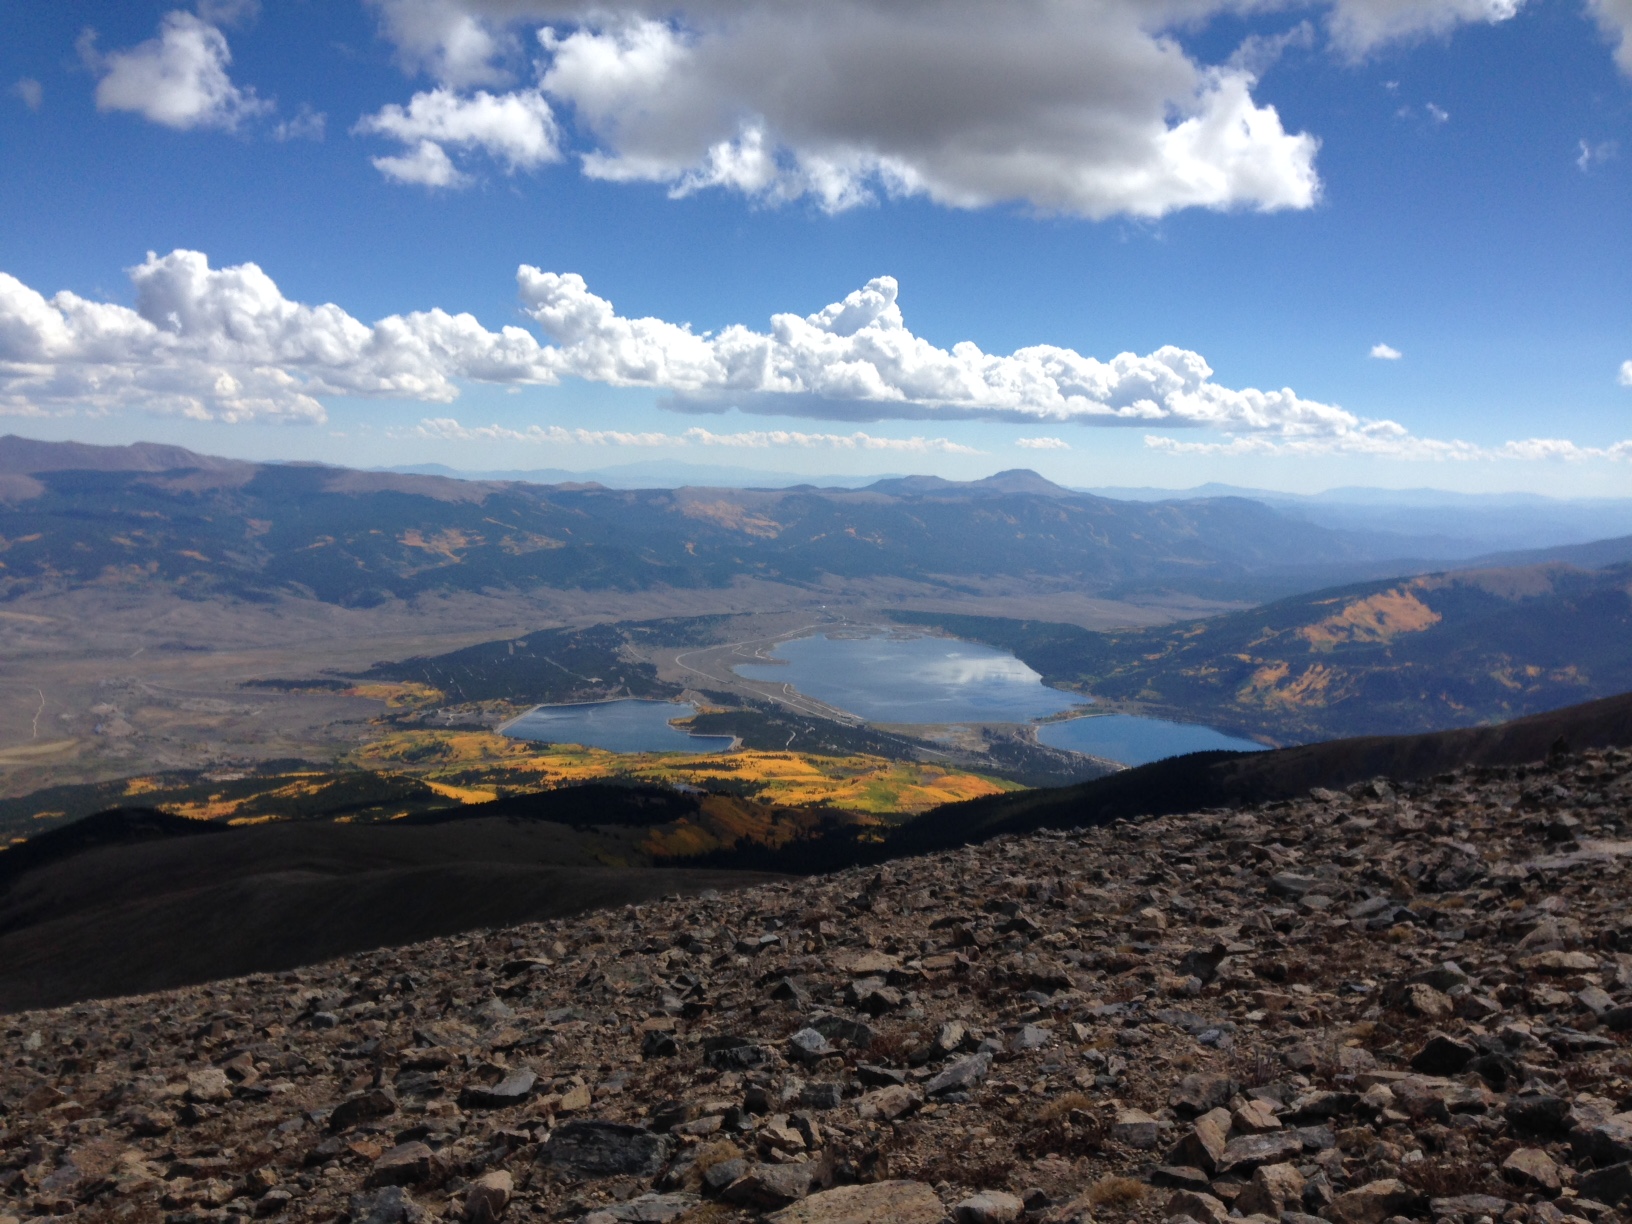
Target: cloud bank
{"type": "Point", "coordinates": [449, 429]}
{"type": "Point", "coordinates": [225, 344]}
{"type": "Point", "coordinates": [1082, 107]}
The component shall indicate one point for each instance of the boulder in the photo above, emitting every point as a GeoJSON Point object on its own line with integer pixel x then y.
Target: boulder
{"type": "Point", "coordinates": [513, 1089]}
{"type": "Point", "coordinates": [1532, 1167]}
{"type": "Point", "coordinates": [1274, 1189]}
{"type": "Point", "coordinates": [1136, 1129]}
{"type": "Point", "coordinates": [1203, 1208]}
{"type": "Point", "coordinates": [1196, 1094]}
{"type": "Point", "coordinates": [1612, 1184]}
{"type": "Point", "coordinates": [1246, 1152]}
{"type": "Point", "coordinates": [769, 1186]}
{"type": "Point", "coordinates": [1443, 1055]}
{"type": "Point", "coordinates": [1375, 1202]}
{"type": "Point", "coordinates": [961, 1076]}
{"type": "Point", "coordinates": [645, 1209]}
{"type": "Point", "coordinates": [488, 1197]}
{"type": "Point", "coordinates": [407, 1164]}
{"type": "Point", "coordinates": [590, 1149]}
{"type": "Point", "coordinates": [1204, 1145]}
{"type": "Point", "coordinates": [899, 1202]}
{"type": "Point", "coordinates": [988, 1207]}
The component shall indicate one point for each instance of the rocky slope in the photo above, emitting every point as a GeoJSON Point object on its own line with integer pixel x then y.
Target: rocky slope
{"type": "Point", "coordinates": [1395, 1003]}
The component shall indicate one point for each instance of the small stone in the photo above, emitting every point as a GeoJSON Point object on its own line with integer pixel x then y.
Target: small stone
{"type": "Point", "coordinates": [1421, 1000]}
{"type": "Point", "coordinates": [208, 1086]}
{"type": "Point", "coordinates": [1203, 1208]}
{"type": "Point", "coordinates": [1532, 1167]}
{"type": "Point", "coordinates": [1255, 1118]}
{"type": "Point", "coordinates": [1559, 963]}
{"type": "Point", "coordinates": [363, 1107]}
{"type": "Point", "coordinates": [407, 1164]}
{"type": "Point", "coordinates": [887, 1104]}
{"type": "Point", "coordinates": [1375, 1202]}
{"type": "Point", "coordinates": [1274, 1189]}
{"type": "Point", "coordinates": [659, 1044]}
{"type": "Point", "coordinates": [1136, 1129]}
{"type": "Point", "coordinates": [962, 1075]}
{"type": "Point", "coordinates": [1612, 1185]}
{"type": "Point", "coordinates": [807, 1045]}
{"type": "Point", "coordinates": [771, 1186]}
{"type": "Point", "coordinates": [1443, 1055]}
{"type": "Point", "coordinates": [1030, 1037]}
{"type": "Point", "coordinates": [1204, 1145]}
{"type": "Point", "coordinates": [718, 1176]}
{"type": "Point", "coordinates": [606, 1149]}
{"type": "Point", "coordinates": [988, 1207]}
{"type": "Point", "coordinates": [1196, 1094]}
{"type": "Point", "coordinates": [488, 1197]}
{"type": "Point", "coordinates": [1538, 1113]}
{"type": "Point", "coordinates": [646, 1209]}
{"type": "Point", "coordinates": [821, 1095]}
{"type": "Point", "coordinates": [1179, 1177]}
{"type": "Point", "coordinates": [950, 1039]}
{"type": "Point", "coordinates": [1246, 1152]}
{"type": "Point", "coordinates": [1605, 1142]}
{"type": "Point", "coordinates": [513, 1089]}
{"type": "Point", "coordinates": [1470, 1206]}
{"type": "Point", "coordinates": [872, 964]}
{"type": "Point", "coordinates": [391, 1205]}
{"type": "Point", "coordinates": [898, 1202]}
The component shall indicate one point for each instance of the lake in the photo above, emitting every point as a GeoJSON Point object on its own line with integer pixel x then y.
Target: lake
{"type": "Point", "coordinates": [898, 679]}
{"type": "Point", "coordinates": [618, 726]}
{"type": "Point", "coordinates": [1137, 741]}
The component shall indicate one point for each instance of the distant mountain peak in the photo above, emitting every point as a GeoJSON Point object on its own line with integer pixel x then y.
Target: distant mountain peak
{"type": "Point", "coordinates": [1014, 480]}
{"type": "Point", "coordinates": [26, 456]}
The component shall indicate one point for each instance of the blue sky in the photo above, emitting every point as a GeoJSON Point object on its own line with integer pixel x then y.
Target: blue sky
{"type": "Point", "coordinates": [1276, 191]}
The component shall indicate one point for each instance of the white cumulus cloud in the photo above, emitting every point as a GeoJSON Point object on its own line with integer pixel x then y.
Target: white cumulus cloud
{"type": "Point", "coordinates": [516, 128]}
{"type": "Point", "coordinates": [30, 91]}
{"type": "Point", "coordinates": [306, 124]}
{"type": "Point", "coordinates": [1043, 443]}
{"type": "Point", "coordinates": [225, 344]}
{"type": "Point", "coordinates": [1385, 352]}
{"type": "Point", "coordinates": [858, 360]}
{"type": "Point", "coordinates": [1399, 446]}
{"type": "Point", "coordinates": [1626, 374]}
{"type": "Point", "coordinates": [178, 79]}
{"type": "Point", "coordinates": [448, 40]}
{"type": "Point", "coordinates": [449, 429]}
{"type": "Point", "coordinates": [1615, 18]}
{"type": "Point", "coordinates": [1361, 26]}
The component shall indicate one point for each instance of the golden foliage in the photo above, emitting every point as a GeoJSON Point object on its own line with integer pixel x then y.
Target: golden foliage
{"type": "Point", "coordinates": [1378, 618]}
{"type": "Point", "coordinates": [859, 783]}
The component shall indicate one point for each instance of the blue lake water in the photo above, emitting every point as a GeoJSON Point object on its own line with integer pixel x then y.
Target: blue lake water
{"type": "Point", "coordinates": [903, 679]}
{"type": "Point", "coordinates": [891, 679]}
{"type": "Point", "coordinates": [618, 726]}
{"type": "Point", "coordinates": [1137, 741]}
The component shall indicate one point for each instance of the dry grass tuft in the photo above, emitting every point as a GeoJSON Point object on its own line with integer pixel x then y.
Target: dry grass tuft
{"type": "Point", "coordinates": [718, 1152]}
{"type": "Point", "coordinates": [1115, 1192]}
{"type": "Point", "coordinates": [1060, 1106]}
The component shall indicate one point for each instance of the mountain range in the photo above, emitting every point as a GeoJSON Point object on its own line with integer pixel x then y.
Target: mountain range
{"type": "Point", "coordinates": [1438, 650]}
